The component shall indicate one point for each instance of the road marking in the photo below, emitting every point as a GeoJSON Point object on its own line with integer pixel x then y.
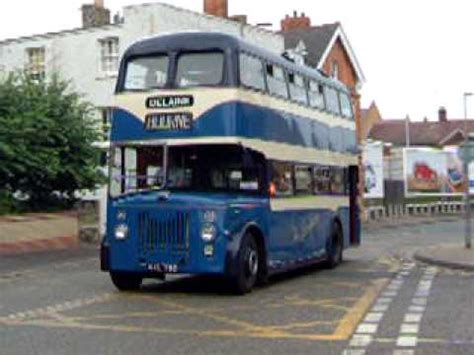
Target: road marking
{"type": "Point", "coordinates": [407, 341]}
{"type": "Point", "coordinates": [367, 328]}
{"type": "Point", "coordinates": [52, 311]}
{"type": "Point", "coordinates": [409, 328]}
{"type": "Point", "coordinates": [365, 332]}
{"type": "Point", "coordinates": [52, 317]}
{"type": "Point", "coordinates": [408, 335]}
{"type": "Point", "coordinates": [373, 317]}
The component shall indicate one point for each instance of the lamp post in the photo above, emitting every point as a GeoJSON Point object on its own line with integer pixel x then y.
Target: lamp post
{"type": "Point", "coordinates": [467, 201]}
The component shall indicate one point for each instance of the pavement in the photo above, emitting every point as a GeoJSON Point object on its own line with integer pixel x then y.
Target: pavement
{"type": "Point", "coordinates": [36, 232]}
{"type": "Point", "coordinates": [379, 301]}
{"type": "Point", "coordinates": [455, 256]}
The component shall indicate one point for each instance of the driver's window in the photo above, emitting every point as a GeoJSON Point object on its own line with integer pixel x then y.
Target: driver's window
{"type": "Point", "coordinates": [116, 172]}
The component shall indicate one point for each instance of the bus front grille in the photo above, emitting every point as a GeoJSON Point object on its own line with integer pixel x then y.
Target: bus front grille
{"type": "Point", "coordinates": [163, 231]}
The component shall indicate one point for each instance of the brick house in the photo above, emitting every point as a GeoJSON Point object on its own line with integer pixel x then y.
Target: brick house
{"type": "Point", "coordinates": [369, 118]}
{"type": "Point", "coordinates": [328, 49]}
{"type": "Point", "coordinates": [441, 133]}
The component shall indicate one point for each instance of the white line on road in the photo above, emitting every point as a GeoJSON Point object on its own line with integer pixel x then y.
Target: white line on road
{"type": "Point", "coordinates": [408, 335]}
{"type": "Point", "coordinates": [366, 331]}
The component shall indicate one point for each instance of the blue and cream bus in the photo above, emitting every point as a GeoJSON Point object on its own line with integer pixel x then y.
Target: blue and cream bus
{"type": "Point", "coordinates": [226, 159]}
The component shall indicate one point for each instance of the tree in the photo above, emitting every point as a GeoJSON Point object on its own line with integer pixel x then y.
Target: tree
{"type": "Point", "coordinates": [46, 136]}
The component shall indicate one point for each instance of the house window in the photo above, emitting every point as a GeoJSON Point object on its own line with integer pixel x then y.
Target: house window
{"type": "Point", "coordinates": [109, 55]}
{"type": "Point", "coordinates": [35, 67]}
{"type": "Point", "coordinates": [106, 114]}
{"type": "Point", "coordinates": [335, 70]}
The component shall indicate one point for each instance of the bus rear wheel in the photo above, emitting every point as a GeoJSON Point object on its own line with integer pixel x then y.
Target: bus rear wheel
{"type": "Point", "coordinates": [126, 282]}
{"type": "Point", "coordinates": [248, 265]}
{"type": "Point", "coordinates": [334, 247]}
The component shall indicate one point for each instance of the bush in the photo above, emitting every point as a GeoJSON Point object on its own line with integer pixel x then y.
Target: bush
{"type": "Point", "coordinates": [46, 136]}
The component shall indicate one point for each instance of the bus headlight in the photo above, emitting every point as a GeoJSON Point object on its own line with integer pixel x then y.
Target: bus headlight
{"type": "Point", "coordinates": [208, 232]}
{"type": "Point", "coordinates": [121, 232]}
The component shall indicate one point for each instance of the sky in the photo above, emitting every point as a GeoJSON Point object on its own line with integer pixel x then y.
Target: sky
{"type": "Point", "coordinates": [417, 55]}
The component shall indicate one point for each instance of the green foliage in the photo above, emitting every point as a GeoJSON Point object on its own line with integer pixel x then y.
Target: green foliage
{"type": "Point", "coordinates": [46, 136]}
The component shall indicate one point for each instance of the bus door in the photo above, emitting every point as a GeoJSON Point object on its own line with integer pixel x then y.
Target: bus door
{"type": "Point", "coordinates": [354, 210]}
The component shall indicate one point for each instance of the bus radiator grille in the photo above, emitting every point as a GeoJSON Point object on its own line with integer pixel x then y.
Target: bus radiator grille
{"type": "Point", "coordinates": [163, 231]}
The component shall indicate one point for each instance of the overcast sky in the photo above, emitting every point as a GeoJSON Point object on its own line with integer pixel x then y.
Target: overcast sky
{"type": "Point", "coordinates": [416, 54]}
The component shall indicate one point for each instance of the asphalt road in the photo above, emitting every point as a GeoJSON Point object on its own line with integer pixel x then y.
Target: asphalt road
{"type": "Point", "coordinates": [378, 302]}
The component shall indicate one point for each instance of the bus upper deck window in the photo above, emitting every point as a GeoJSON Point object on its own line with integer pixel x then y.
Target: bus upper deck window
{"type": "Point", "coordinates": [146, 73]}
{"type": "Point", "coordinates": [200, 69]}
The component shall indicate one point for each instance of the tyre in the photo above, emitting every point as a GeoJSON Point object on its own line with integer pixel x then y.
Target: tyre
{"type": "Point", "coordinates": [334, 247]}
{"type": "Point", "coordinates": [248, 265]}
{"type": "Point", "coordinates": [126, 282]}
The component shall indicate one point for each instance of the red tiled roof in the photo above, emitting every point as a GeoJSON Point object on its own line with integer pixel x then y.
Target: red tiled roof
{"type": "Point", "coordinates": [421, 133]}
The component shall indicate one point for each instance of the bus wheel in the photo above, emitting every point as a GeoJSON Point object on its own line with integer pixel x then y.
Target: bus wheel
{"type": "Point", "coordinates": [334, 247]}
{"type": "Point", "coordinates": [126, 282]}
{"type": "Point", "coordinates": [248, 265]}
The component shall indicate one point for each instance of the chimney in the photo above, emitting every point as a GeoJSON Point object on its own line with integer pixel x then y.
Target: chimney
{"type": "Point", "coordinates": [242, 19]}
{"type": "Point", "coordinates": [95, 15]}
{"type": "Point", "coordinates": [442, 114]}
{"type": "Point", "coordinates": [217, 8]}
{"type": "Point", "coordinates": [295, 22]}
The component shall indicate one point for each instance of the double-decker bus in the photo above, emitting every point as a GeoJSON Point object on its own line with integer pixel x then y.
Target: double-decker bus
{"type": "Point", "coordinates": [226, 159]}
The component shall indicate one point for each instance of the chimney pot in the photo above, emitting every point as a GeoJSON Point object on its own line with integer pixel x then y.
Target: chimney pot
{"type": "Point", "coordinates": [295, 22]}
{"type": "Point", "coordinates": [442, 114]}
{"type": "Point", "coordinates": [94, 15]}
{"type": "Point", "coordinates": [217, 8]}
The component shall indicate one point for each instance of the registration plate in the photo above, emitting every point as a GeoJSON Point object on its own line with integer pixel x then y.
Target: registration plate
{"type": "Point", "coordinates": [160, 267]}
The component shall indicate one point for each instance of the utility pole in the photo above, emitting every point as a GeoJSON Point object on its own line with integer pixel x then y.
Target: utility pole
{"type": "Point", "coordinates": [466, 161]}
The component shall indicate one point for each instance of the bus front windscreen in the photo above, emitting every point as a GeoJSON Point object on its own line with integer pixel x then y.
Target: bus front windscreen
{"type": "Point", "coordinates": [146, 73]}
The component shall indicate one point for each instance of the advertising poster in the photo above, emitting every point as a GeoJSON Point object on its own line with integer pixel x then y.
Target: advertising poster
{"type": "Point", "coordinates": [471, 178]}
{"type": "Point", "coordinates": [373, 170]}
{"type": "Point", "coordinates": [455, 182]}
{"type": "Point", "coordinates": [433, 171]}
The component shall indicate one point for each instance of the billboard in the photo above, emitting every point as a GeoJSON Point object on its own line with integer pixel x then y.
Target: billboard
{"type": "Point", "coordinates": [433, 171]}
{"type": "Point", "coordinates": [372, 157]}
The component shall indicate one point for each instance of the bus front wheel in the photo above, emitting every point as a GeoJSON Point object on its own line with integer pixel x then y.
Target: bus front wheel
{"type": "Point", "coordinates": [126, 282]}
{"type": "Point", "coordinates": [334, 247]}
{"type": "Point", "coordinates": [248, 265]}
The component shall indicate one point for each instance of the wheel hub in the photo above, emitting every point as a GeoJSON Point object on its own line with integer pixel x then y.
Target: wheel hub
{"type": "Point", "coordinates": [252, 263]}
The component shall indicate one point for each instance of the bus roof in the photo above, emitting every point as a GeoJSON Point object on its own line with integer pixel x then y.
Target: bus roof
{"type": "Point", "coordinates": [205, 41]}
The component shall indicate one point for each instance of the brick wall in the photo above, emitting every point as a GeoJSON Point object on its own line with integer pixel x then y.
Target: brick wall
{"type": "Point", "coordinates": [217, 8]}
{"type": "Point", "coordinates": [369, 119]}
{"type": "Point", "coordinates": [295, 22]}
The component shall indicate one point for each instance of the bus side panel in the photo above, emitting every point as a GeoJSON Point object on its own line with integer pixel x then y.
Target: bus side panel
{"type": "Point", "coordinates": [298, 235]}
{"type": "Point", "coordinates": [344, 216]}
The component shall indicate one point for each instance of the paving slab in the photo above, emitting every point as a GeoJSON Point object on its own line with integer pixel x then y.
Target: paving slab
{"type": "Point", "coordinates": [448, 255]}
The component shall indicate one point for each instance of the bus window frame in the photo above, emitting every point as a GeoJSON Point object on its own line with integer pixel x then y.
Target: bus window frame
{"type": "Point", "coordinates": [348, 97]}
{"type": "Point", "coordinates": [224, 77]}
{"type": "Point", "coordinates": [123, 77]}
{"type": "Point", "coordinates": [262, 63]}
{"type": "Point", "coordinates": [305, 87]}
{"type": "Point", "coordinates": [310, 168]}
{"type": "Point", "coordinates": [285, 76]}
{"type": "Point", "coordinates": [323, 94]}
{"type": "Point", "coordinates": [123, 146]}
